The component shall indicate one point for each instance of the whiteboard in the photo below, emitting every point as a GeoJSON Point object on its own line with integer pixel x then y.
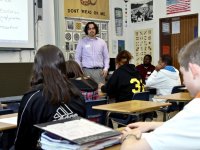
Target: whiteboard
{"type": "Point", "coordinates": [17, 24]}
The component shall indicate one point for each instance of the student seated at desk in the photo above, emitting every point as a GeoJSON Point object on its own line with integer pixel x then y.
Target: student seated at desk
{"type": "Point", "coordinates": [146, 68]}
{"type": "Point", "coordinates": [87, 86]}
{"type": "Point", "coordinates": [125, 81]}
{"type": "Point", "coordinates": [182, 131]}
{"type": "Point", "coordinates": [164, 77]}
{"type": "Point", "coordinates": [51, 97]}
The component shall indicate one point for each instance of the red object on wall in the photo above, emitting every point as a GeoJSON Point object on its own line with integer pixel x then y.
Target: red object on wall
{"type": "Point", "coordinates": [165, 50]}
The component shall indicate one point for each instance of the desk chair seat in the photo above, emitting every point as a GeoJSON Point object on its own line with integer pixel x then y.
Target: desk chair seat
{"type": "Point", "coordinates": [122, 119]}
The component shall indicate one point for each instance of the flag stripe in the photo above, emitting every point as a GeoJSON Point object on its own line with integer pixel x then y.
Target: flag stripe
{"type": "Point", "coordinates": [175, 6]}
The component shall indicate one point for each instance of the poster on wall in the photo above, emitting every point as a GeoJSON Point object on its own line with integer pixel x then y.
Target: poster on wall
{"type": "Point", "coordinates": [141, 11]}
{"type": "Point", "coordinates": [121, 45]}
{"type": "Point", "coordinates": [114, 46]}
{"type": "Point", "coordinates": [91, 9]}
{"type": "Point", "coordinates": [143, 44]}
{"type": "Point", "coordinates": [118, 21]}
{"type": "Point", "coordinates": [177, 6]}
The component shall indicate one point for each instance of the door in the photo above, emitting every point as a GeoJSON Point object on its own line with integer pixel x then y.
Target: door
{"type": "Point", "coordinates": [175, 32]}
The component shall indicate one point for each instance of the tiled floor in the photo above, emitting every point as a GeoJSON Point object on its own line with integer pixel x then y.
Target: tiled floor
{"type": "Point", "coordinates": [160, 115]}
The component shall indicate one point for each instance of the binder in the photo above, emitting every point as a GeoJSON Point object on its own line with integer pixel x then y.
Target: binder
{"type": "Point", "coordinates": [80, 133]}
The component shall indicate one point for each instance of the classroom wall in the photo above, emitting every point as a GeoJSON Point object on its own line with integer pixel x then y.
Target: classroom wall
{"type": "Point", "coordinates": [45, 34]}
{"type": "Point", "coordinates": [159, 8]}
{"type": "Point", "coordinates": [46, 29]}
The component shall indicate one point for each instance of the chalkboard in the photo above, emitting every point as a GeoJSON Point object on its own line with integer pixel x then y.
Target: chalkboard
{"type": "Point", "coordinates": [14, 78]}
{"type": "Point", "coordinates": [16, 24]}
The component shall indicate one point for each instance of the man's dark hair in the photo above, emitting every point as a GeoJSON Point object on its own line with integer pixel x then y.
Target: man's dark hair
{"type": "Point", "coordinates": [87, 27]}
{"type": "Point", "coordinates": [167, 59]}
{"type": "Point", "coordinates": [148, 56]}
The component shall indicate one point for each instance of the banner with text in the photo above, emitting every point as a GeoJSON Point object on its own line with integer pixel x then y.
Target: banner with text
{"type": "Point", "coordinates": [95, 9]}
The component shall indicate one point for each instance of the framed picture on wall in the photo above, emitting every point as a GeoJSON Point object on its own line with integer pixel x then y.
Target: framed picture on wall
{"type": "Point", "coordinates": [104, 36]}
{"type": "Point", "coordinates": [98, 25]}
{"type": "Point", "coordinates": [71, 55]}
{"type": "Point", "coordinates": [69, 24]}
{"type": "Point", "coordinates": [75, 45]}
{"type": "Point", "coordinates": [78, 26]}
{"type": "Point", "coordinates": [68, 36]}
{"type": "Point", "coordinates": [76, 36]}
{"type": "Point", "coordinates": [67, 46]}
{"type": "Point", "coordinates": [71, 47]}
{"type": "Point", "coordinates": [104, 26]}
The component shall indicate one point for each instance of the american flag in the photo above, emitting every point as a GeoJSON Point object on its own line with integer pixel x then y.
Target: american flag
{"type": "Point", "coordinates": [177, 6]}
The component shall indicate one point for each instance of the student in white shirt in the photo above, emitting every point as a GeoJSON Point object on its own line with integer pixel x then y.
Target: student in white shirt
{"type": "Point", "coordinates": [164, 77]}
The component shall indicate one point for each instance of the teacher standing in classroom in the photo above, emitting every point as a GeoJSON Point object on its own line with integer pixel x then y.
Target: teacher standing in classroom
{"type": "Point", "coordinates": [92, 54]}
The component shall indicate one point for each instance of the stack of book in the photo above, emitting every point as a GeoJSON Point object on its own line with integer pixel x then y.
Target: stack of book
{"type": "Point", "coordinates": [77, 133]}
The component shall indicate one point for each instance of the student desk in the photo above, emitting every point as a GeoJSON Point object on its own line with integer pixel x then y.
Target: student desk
{"type": "Point", "coordinates": [178, 97]}
{"type": "Point", "coordinates": [131, 107]}
{"type": "Point", "coordinates": [6, 126]}
{"type": "Point", "coordinates": [11, 99]}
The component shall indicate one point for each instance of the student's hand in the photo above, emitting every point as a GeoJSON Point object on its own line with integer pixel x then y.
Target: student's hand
{"type": "Point", "coordinates": [104, 73]}
{"type": "Point", "coordinates": [134, 134]}
{"type": "Point", "coordinates": [100, 85]}
{"type": "Point", "coordinates": [158, 67]}
{"type": "Point", "coordinates": [145, 126]}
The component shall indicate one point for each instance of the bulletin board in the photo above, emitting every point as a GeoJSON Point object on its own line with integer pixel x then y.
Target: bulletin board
{"type": "Point", "coordinates": [74, 31]}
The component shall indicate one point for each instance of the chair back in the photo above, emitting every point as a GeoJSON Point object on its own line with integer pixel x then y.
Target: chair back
{"type": "Point", "coordinates": [141, 96]}
{"type": "Point", "coordinates": [175, 106]}
{"type": "Point", "coordinates": [95, 115]}
{"type": "Point", "coordinates": [177, 89]}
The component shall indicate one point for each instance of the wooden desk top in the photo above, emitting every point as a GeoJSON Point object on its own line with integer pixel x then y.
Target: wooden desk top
{"type": "Point", "coordinates": [132, 106]}
{"type": "Point", "coordinates": [183, 96]}
{"type": "Point", "coordinates": [6, 126]}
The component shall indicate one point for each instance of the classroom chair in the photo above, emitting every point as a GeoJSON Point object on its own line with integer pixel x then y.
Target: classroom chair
{"type": "Point", "coordinates": [95, 115]}
{"type": "Point", "coordinates": [174, 106]}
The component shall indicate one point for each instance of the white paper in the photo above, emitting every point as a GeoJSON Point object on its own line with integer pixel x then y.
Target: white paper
{"type": "Point", "coordinates": [165, 27]}
{"type": "Point", "coordinates": [175, 27]}
{"type": "Point", "coordinates": [76, 129]}
{"type": "Point", "coordinates": [11, 120]}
